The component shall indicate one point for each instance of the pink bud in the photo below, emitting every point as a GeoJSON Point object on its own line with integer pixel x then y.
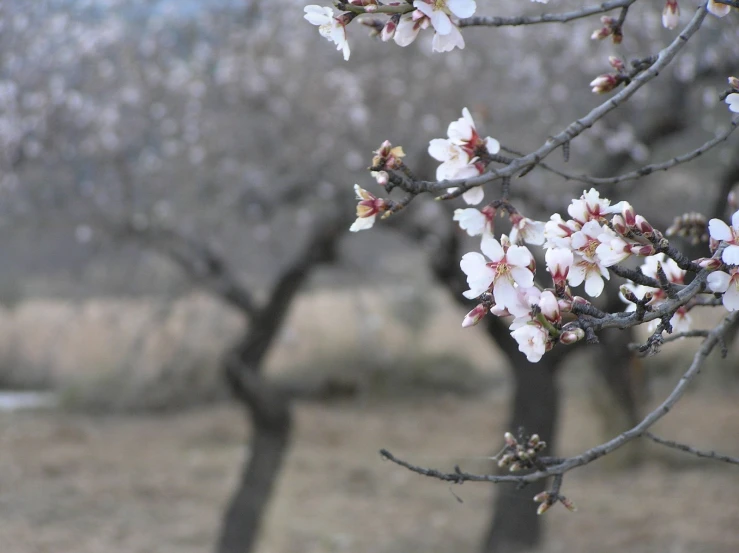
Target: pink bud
{"type": "Point", "coordinates": [571, 336]}
{"type": "Point", "coordinates": [619, 225]}
{"type": "Point", "coordinates": [474, 316]}
{"type": "Point", "coordinates": [549, 306]}
{"type": "Point", "coordinates": [541, 496]}
{"type": "Point", "coordinates": [628, 214]}
{"type": "Point", "coordinates": [388, 31]}
{"type": "Point", "coordinates": [671, 15]}
{"type": "Point", "coordinates": [709, 263]}
{"type": "Point", "coordinates": [605, 83]}
{"type": "Point", "coordinates": [600, 34]}
{"type": "Point", "coordinates": [734, 83]}
{"type": "Point", "coordinates": [568, 503]}
{"type": "Point", "coordinates": [616, 63]}
{"type": "Point", "coordinates": [642, 250]}
{"type": "Point", "coordinates": [643, 225]}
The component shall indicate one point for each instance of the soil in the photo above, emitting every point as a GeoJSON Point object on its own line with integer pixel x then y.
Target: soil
{"type": "Point", "coordinates": [86, 483]}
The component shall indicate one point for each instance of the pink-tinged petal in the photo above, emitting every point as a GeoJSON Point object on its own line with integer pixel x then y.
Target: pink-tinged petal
{"type": "Point", "coordinates": [423, 7]}
{"type": "Point", "coordinates": [594, 285]}
{"type": "Point", "coordinates": [448, 42]}
{"type": "Point", "coordinates": [731, 298]}
{"type": "Point", "coordinates": [519, 255]}
{"type": "Point", "coordinates": [492, 248]}
{"type": "Point", "coordinates": [735, 220]}
{"type": "Point", "coordinates": [731, 255]}
{"type": "Point", "coordinates": [462, 8]}
{"type": "Point", "coordinates": [473, 196]}
{"type": "Point", "coordinates": [362, 223]}
{"type": "Point", "coordinates": [718, 281]}
{"type": "Point", "coordinates": [361, 193]}
{"type": "Point", "coordinates": [471, 294]}
{"type": "Point", "coordinates": [719, 230]}
{"type": "Point", "coordinates": [522, 276]}
{"type": "Point", "coordinates": [504, 293]}
{"type": "Point", "coordinates": [470, 220]}
{"type": "Point", "coordinates": [439, 149]}
{"type": "Point", "coordinates": [407, 31]}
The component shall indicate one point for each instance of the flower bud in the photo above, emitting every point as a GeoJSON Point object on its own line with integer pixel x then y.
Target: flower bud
{"type": "Point", "coordinates": [549, 307]}
{"type": "Point", "coordinates": [506, 460]}
{"type": "Point", "coordinates": [600, 34]}
{"type": "Point", "coordinates": [543, 508]}
{"type": "Point", "coordinates": [643, 225]}
{"type": "Point", "coordinates": [534, 439]}
{"type": "Point", "coordinates": [510, 441]}
{"type": "Point", "coordinates": [388, 31]}
{"type": "Point", "coordinates": [605, 83]}
{"type": "Point", "coordinates": [616, 63]}
{"type": "Point", "coordinates": [642, 250]}
{"type": "Point", "coordinates": [709, 263]}
{"type": "Point", "coordinates": [734, 83]}
{"type": "Point", "coordinates": [381, 177]}
{"type": "Point", "coordinates": [571, 336]}
{"type": "Point", "coordinates": [671, 15]}
{"type": "Point", "coordinates": [629, 215]}
{"type": "Point", "coordinates": [619, 225]}
{"type": "Point", "coordinates": [474, 316]}
{"type": "Point", "coordinates": [568, 503]}
{"type": "Point", "coordinates": [541, 496]}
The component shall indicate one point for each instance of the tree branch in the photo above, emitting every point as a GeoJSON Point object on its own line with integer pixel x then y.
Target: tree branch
{"type": "Point", "coordinates": [564, 17]}
{"type": "Point", "coordinates": [692, 450]}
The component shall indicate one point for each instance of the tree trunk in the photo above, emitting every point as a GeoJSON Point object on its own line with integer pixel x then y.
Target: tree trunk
{"type": "Point", "coordinates": [535, 408]}
{"type": "Point", "coordinates": [264, 457]}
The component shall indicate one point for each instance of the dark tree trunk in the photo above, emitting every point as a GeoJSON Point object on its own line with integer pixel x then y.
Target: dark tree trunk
{"type": "Point", "coordinates": [534, 410]}
{"type": "Point", "coordinates": [264, 457]}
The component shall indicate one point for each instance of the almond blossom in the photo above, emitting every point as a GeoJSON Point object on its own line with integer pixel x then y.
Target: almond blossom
{"type": "Point", "coordinates": [728, 284]}
{"type": "Point", "coordinates": [590, 206]}
{"type": "Point", "coordinates": [671, 15]}
{"type": "Point", "coordinates": [526, 230]}
{"type": "Point", "coordinates": [532, 341]}
{"type": "Point", "coordinates": [476, 222]}
{"type": "Point", "coordinates": [730, 234]}
{"type": "Point", "coordinates": [368, 208]}
{"type": "Point", "coordinates": [509, 266]}
{"type": "Point", "coordinates": [330, 27]}
{"type": "Point", "coordinates": [559, 261]}
{"type": "Point", "coordinates": [409, 26]}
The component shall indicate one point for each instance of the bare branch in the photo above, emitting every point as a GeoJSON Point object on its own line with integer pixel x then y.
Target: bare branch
{"type": "Point", "coordinates": [692, 450]}
{"type": "Point", "coordinates": [563, 17]}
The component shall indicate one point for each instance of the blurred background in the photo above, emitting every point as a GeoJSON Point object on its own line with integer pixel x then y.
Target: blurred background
{"type": "Point", "coordinates": [196, 355]}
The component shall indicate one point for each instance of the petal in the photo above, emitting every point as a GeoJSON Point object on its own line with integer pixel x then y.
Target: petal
{"type": "Point", "coordinates": [504, 293]}
{"type": "Point", "coordinates": [492, 145]}
{"type": "Point", "coordinates": [719, 230]}
{"type": "Point", "coordinates": [474, 196]}
{"type": "Point", "coordinates": [492, 248]}
{"type": "Point", "coordinates": [441, 22]}
{"type": "Point", "coordinates": [318, 15]}
{"type": "Point", "coordinates": [594, 285]}
{"type": "Point", "coordinates": [719, 10]}
{"type": "Point", "coordinates": [731, 255]}
{"type": "Point", "coordinates": [439, 149]}
{"type": "Point", "coordinates": [462, 8]}
{"type": "Point", "coordinates": [470, 220]}
{"type": "Point", "coordinates": [576, 275]}
{"type": "Point", "coordinates": [718, 281]}
{"type": "Point", "coordinates": [519, 255]}
{"type": "Point", "coordinates": [522, 276]}
{"type": "Point", "coordinates": [468, 117]}
{"type": "Point", "coordinates": [735, 220]}
{"type": "Point", "coordinates": [731, 299]}
{"type": "Point", "coordinates": [472, 263]}
{"type": "Point", "coordinates": [362, 223]}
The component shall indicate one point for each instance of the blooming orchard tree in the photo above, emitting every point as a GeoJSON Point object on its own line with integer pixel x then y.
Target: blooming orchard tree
{"type": "Point", "coordinates": [598, 240]}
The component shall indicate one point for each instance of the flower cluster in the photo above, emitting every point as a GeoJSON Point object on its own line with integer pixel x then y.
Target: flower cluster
{"type": "Point", "coordinates": [579, 251]}
{"type": "Point", "coordinates": [463, 154]}
{"type": "Point", "coordinates": [721, 281]}
{"type": "Point", "coordinates": [404, 24]}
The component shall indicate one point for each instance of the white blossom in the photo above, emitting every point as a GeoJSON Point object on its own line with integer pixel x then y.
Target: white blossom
{"type": "Point", "coordinates": [728, 284]}
{"type": "Point", "coordinates": [453, 157]}
{"type": "Point", "coordinates": [507, 268]}
{"type": "Point", "coordinates": [590, 206]}
{"type": "Point", "coordinates": [367, 209]}
{"type": "Point", "coordinates": [527, 230]}
{"type": "Point", "coordinates": [730, 234]}
{"type": "Point", "coordinates": [532, 341]}
{"type": "Point", "coordinates": [329, 27]}
{"type": "Point", "coordinates": [474, 221]}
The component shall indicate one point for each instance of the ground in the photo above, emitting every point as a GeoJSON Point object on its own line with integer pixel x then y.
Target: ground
{"type": "Point", "coordinates": [84, 483]}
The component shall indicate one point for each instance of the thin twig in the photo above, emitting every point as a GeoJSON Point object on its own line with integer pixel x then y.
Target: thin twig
{"type": "Point", "coordinates": [692, 450]}
{"type": "Point", "coordinates": [564, 17]}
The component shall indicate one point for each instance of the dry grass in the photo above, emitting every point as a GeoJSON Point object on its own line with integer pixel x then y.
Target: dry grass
{"type": "Point", "coordinates": [140, 484]}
